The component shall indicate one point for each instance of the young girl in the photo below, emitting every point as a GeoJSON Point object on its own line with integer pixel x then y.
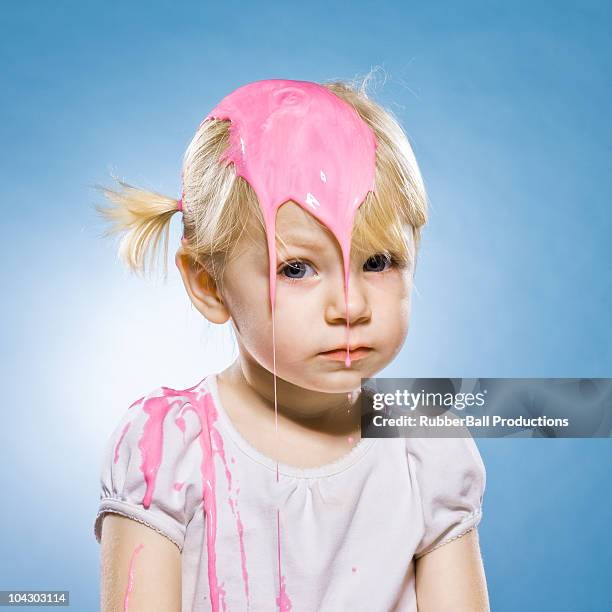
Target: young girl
{"type": "Point", "coordinates": [253, 490]}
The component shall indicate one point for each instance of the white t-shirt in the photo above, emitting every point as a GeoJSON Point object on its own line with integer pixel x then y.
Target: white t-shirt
{"type": "Point", "coordinates": [349, 530]}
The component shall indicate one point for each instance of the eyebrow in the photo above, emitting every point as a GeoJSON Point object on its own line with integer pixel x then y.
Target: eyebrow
{"type": "Point", "coordinates": [301, 241]}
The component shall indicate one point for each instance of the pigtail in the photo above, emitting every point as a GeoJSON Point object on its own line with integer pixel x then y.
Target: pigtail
{"type": "Point", "coordinates": [143, 217]}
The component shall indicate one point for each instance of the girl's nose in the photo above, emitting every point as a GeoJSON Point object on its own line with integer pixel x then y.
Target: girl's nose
{"type": "Point", "coordinates": [358, 304]}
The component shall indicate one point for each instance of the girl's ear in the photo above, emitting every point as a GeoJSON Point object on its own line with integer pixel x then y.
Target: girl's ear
{"type": "Point", "coordinates": [202, 289]}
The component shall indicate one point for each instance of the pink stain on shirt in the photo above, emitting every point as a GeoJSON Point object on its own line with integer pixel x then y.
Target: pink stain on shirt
{"type": "Point", "coordinates": [282, 601]}
{"type": "Point", "coordinates": [130, 584]}
{"type": "Point", "coordinates": [151, 448]}
{"type": "Point", "coordinates": [126, 427]}
{"type": "Point", "coordinates": [234, 508]}
{"type": "Point", "coordinates": [136, 402]}
{"type": "Point", "coordinates": [180, 423]}
{"type": "Point", "coordinates": [240, 527]}
{"type": "Point", "coordinates": [151, 442]}
{"type": "Point", "coordinates": [222, 595]}
{"type": "Point", "coordinates": [202, 404]}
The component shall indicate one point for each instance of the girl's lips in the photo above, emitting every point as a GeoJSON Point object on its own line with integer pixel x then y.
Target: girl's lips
{"type": "Point", "coordinates": [340, 355]}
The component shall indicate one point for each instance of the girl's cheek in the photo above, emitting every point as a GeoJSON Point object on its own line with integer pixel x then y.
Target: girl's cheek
{"type": "Point", "coordinates": [300, 298]}
{"type": "Point", "coordinates": [394, 281]}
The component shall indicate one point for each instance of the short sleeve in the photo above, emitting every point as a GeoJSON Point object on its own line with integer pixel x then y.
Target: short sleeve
{"type": "Point", "coordinates": [150, 464]}
{"type": "Point", "coordinates": [451, 477]}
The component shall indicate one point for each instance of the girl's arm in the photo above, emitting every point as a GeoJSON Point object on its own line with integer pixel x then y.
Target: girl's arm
{"type": "Point", "coordinates": [136, 555]}
{"type": "Point", "coordinates": [451, 577]}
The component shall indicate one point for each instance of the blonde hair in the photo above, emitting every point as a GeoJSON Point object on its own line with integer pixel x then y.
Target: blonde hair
{"type": "Point", "coordinates": [217, 205]}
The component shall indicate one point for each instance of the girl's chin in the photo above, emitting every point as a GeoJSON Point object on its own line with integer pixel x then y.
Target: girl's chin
{"type": "Point", "coordinates": [323, 375]}
{"type": "Point", "coordinates": [338, 380]}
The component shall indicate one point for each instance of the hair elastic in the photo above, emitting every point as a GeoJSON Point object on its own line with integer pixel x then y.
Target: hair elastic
{"type": "Point", "coordinates": [179, 204]}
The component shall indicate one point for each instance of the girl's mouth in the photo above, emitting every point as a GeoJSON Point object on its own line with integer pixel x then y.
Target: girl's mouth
{"type": "Point", "coordinates": [340, 355]}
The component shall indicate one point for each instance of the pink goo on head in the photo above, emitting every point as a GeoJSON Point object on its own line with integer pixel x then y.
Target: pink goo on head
{"type": "Point", "coordinates": [296, 140]}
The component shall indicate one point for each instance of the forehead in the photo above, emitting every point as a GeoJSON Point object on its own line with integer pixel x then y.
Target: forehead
{"type": "Point", "coordinates": [294, 226]}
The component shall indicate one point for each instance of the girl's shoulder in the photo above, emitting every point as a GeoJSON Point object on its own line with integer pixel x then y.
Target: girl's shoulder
{"type": "Point", "coordinates": [163, 406]}
{"type": "Point", "coordinates": [450, 478]}
{"type": "Point", "coordinates": [151, 460]}
{"type": "Point", "coordinates": [445, 454]}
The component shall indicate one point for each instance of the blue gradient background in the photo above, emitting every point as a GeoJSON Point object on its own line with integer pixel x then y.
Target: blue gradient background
{"type": "Point", "coordinates": [507, 107]}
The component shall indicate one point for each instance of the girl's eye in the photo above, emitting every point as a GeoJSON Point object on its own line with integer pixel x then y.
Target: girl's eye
{"type": "Point", "coordinates": [295, 270]}
{"type": "Point", "coordinates": [379, 262]}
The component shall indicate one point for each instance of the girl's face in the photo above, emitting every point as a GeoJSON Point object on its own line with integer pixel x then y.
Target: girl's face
{"type": "Point", "coordinates": [310, 313]}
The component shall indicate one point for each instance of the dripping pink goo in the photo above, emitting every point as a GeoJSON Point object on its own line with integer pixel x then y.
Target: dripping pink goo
{"type": "Point", "coordinates": [298, 141]}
